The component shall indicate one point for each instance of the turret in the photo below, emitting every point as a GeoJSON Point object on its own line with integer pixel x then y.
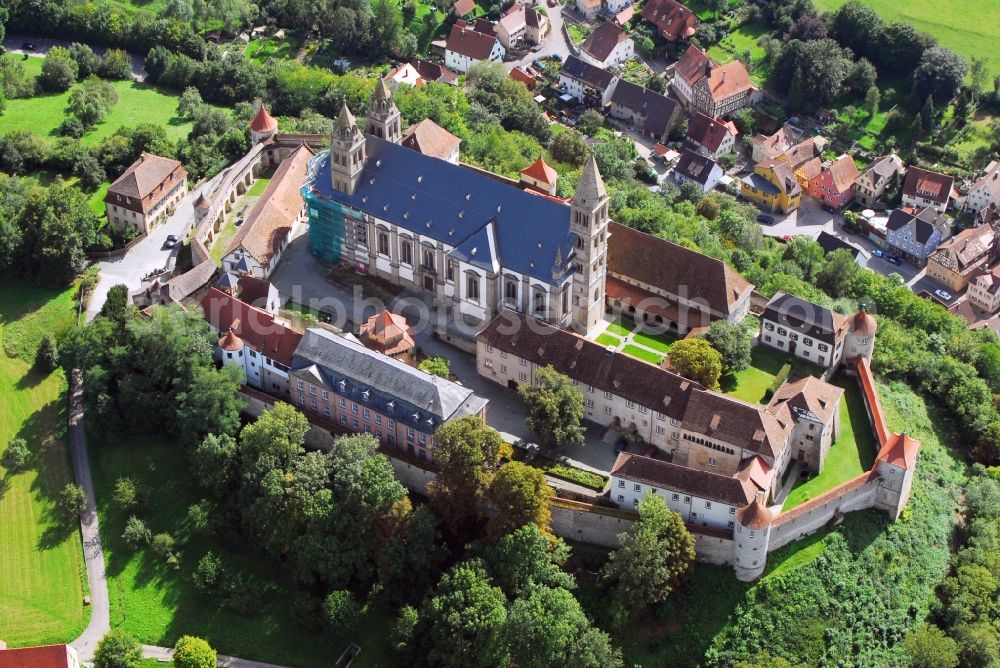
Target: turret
{"type": "Point", "coordinates": [263, 126]}
{"type": "Point", "coordinates": [201, 207]}
{"type": "Point", "coordinates": [860, 339]}
{"type": "Point", "coordinates": [895, 465]}
{"type": "Point", "coordinates": [383, 118]}
{"type": "Point", "coordinates": [589, 223]}
{"type": "Point", "coordinates": [750, 540]}
{"type": "Point", "coordinates": [347, 152]}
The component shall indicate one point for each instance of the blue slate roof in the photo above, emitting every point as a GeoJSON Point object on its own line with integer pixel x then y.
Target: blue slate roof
{"type": "Point", "coordinates": [227, 280]}
{"type": "Point", "coordinates": [456, 205]}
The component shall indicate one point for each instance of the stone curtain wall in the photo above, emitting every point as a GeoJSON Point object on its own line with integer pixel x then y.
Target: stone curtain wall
{"type": "Point", "coordinates": [855, 494]}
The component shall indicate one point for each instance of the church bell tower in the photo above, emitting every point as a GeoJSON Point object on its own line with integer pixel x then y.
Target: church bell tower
{"type": "Point", "coordinates": [347, 152]}
{"type": "Point", "coordinates": [589, 223]}
{"type": "Point", "coordinates": [383, 118]}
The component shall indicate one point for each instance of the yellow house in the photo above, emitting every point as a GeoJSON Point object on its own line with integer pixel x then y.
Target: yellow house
{"type": "Point", "coordinates": [772, 186]}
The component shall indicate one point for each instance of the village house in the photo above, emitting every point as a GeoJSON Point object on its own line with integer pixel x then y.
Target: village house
{"type": "Point", "coordinates": [607, 46]}
{"type": "Point", "coordinates": [714, 90]}
{"type": "Point", "coordinates": [710, 137]}
{"type": "Point", "coordinates": [418, 73]}
{"type": "Point", "coordinates": [587, 83]}
{"type": "Point", "coordinates": [669, 286]}
{"type": "Point", "coordinates": [959, 259]}
{"type": "Point", "coordinates": [527, 75]}
{"type": "Point", "coordinates": [831, 182]}
{"type": "Point", "coordinates": [43, 656]}
{"type": "Point", "coordinates": [984, 290]}
{"type": "Point", "coordinates": [521, 25]}
{"type": "Point", "coordinates": [815, 333]}
{"type": "Point", "coordinates": [986, 190]}
{"type": "Point", "coordinates": [251, 340]}
{"type": "Point", "coordinates": [463, 8]}
{"type": "Point", "coordinates": [257, 247]}
{"type": "Point", "coordinates": [649, 112]}
{"type": "Point", "coordinates": [537, 25]}
{"type": "Point", "coordinates": [673, 20]}
{"type": "Point", "coordinates": [431, 139]}
{"type": "Point", "coordinates": [772, 186]}
{"type": "Point", "coordinates": [913, 235]}
{"type": "Point", "coordinates": [589, 8]}
{"type": "Point", "coordinates": [870, 187]}
{"type": "Point", "coordinates": [144, 194]}
{"type": "Point", "coordinates": [815, 408]}
{"type": "Point", "coordinates": [769, 147]}
{"type": "Point", "coordinates": [924, 188]}
{"type": "Point", "coordinates": [697, 169]}
{"type": "Point", "coordinates": [364, 391]}
{"type": "Point", "coordinates": [467, 46]}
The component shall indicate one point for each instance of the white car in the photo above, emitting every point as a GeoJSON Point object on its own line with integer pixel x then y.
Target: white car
{"type": "Point", "coordinates": [943, 295]}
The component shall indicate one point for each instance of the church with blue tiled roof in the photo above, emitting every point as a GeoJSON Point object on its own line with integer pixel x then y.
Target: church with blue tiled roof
{"type": "Point", "coordinates": [475, 243]}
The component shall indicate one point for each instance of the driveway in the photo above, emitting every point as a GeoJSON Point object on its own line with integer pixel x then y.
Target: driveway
{"type": "Point", "coordinates": [148, 255]}
{"type": "Point", "coordinates": [554, 43]}
{"type": "Point", "coordinates": [13, 43]}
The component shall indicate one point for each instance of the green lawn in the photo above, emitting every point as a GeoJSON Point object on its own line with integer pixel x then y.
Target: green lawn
{"type": "Point", "coordinates": [42, 580]}
{"type": "Point", "coordinates": [260, 50]}
{"type": "Point", "coordinates": [222, 240]}
{"type": "Point", "coordinates": [137, 103]}
{"type": "Point", "coordinates": [752, 383]}
{"type": "Point", "coordinates": [260, 185]}
{"type": "Point", "coordinates": [609, 340]}
{"type": "Point", "coordinates": [852, 454]}
{"type": "Point", "coordinates": [969, 27]}
{"type": "Point", "coordinates": [157, 605]}
{"type": "Point", "coordinates": [742, 39]}
{"type": "Point", "coordinates": [658, 342]}
{"type": "Point", "coordinates": [96, 199]}
{"type": "Point", "coordinates": [621, 327]}
{"type": "Point", "coordinates": [642, 353]}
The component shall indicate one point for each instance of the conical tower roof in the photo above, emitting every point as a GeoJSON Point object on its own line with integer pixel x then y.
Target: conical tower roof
{"type": "Point", "coordinates": [755, 515]}
{"type": "Point", "coordinates": [263, 121]}
{"type": "Point", "coordinates": [345, 127]}
{"type": "Point", "coordinates": [590, 190]}
{"type": "Point", "coordinates": [382, 91]}
{"type": "Point", "coordinates": [202, 202]}
{"type": "Point", "coordinates": [230, 342]}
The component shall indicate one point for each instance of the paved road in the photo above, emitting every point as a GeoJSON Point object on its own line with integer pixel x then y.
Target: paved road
{"type": "Point", "coordinates": [554, 43]}
{"type": "Point", "coordinates": [148, 255]}
{"type": "Point", "coordinates": [164, 654]}
{"type": "Point", "coordinates": [13, 43]}
{"type": "Point", "coordinates": [100, 615]}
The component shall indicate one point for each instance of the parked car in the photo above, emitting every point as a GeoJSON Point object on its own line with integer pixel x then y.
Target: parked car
{"type": "Point", "coordinates": [943, 294]}
{"type": "Point", "coordinates": [536, 48]}
{"type": "Point", "coordinates": [766, 219]}
{"type": "Point", "coordinates": [171, 241]}
{"type": "Point", "coordinates": [621, 445]}
{"type": "Point", "coordinates": [28, 46]}
{"type": "Point", "coordinates": [894, 261]}
{"type": "Point", "coordinates": [878, 253]}
{"type": "Point", "coordinates": [538, 64]}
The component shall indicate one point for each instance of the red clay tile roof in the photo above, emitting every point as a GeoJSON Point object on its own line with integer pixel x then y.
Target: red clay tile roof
{"type": "Point", "coordinates": [254, 291]}
{"type": "Point", "coordinates": [756, 470]}
{"type": "Point", "coordinates": [826, 497]}
{"type": "Point", "coordinates": [470, 43]}
{"type": "Point", "coordinates": [691, 66]}
{"type": "Point", "coordinates": [147, 181]}
{"type": "Point", "coordinates": [540, 171]}
{"type": "Point", "coordinates": [263, 121]}
{"type": "Point", "coordinates": [463, 7]}
{"type": "Point", "coordinates": [45, 656]}
{"type": "Point", "coordinates": [202, 202]}
{"type": "Point", "coordinates": [810, 169]}
{"type": "Point", "coordinates": [600, 43]}
{"type": "Point", "coordinates": [230, 342]}
{"type": "Point", "coordinates": [625, 15]}
{"type": "Point", "coordinates": [754, 516]}
{"type": "Point", "coordinates": [867, 382]}
{"type": "Point", "coordinates": [666, 475]}
{"type": "Point", "coordinates": [270, 220]}
{"type": "Point", "coordinates": [901, 450]}
{"type": "Point", "coordinates": [809, 395]}
{"type": "Point", "coordinates": [387, 332]}
{"type": "Point", "coordinates": [653, 304]}
{"type": "Point", "coordinates": [707, 131]}
{"type": "Point", "coordinates": [728, 80]}
{"type": "Point", "coordinates": [257, 328]}
{"type": "Point", "coordinates": [844, 173]}
{"type": "Point", "coordinates": [736, 422]}
{"type": "Point", "coordinates": [928, 185]}
{"type": "Point", "coordinates": [672, 18]}
{"type": "Point", "coordinates": [429, 138]}
{"type": "Point", "coordinates": [863, 324]}
{"type": "Point", "coordinates": [433, 71]}
{"type": "Point", "coordinates": [667, 266]}
{"type": "Point", "coordinates": [518, 74]}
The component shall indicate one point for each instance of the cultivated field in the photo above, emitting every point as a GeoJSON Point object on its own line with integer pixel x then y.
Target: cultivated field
{"type": "Point", "coordinates": [968, 27]}
{"type": "Point", "coordinates": [41, 560]}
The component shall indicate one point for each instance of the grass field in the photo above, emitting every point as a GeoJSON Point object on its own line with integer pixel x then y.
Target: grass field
{"type": "Point", "coordinates": [968, 27]}
{"type": "Point", "coordinates": [96, 198]}
{"type": "Point", "coordinates": [658, 342]}
{"type": "Point", "coordinates": [42, 581]}
{"type": "Point", "coordinates": [643, 354]}
{"type": "Point", "coordinates": [752, 383]}
{"type": "Point", "coordinates": [137, 103]}
{"type": "Point", "coordinates": [609, 340]}
{"type": "Point", "coordinates": [158, 605]}
{"type": "Point", "coordinates": [260, 50]}
{"type": "Point", "coordinates": [852, 453]}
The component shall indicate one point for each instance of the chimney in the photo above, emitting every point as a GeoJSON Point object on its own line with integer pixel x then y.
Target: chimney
{"type": "Point", "coordinates": [762, 497]}
{"type": "Point", "coordinates": [723, 76]}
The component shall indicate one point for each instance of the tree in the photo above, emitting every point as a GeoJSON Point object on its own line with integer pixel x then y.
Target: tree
{"type": "Point", "coordinates": [404, 628]}
{"type": "Point", "coordinates": [88, 169]}
{"type": "Point", "coordinates": [872, 99]}
{"type": "Point", "coordinates": [116, 64]}
{"type": "Point", "coordinates": [656, 553]}
{"type": "Point", "coordinates": [836, 276]}
{"type": "Point", "coordinates": [862, 76]}
{"type": "Point", "coordinates": [527, 558]}
{"type": "Point", "coordinates": [59, 70]}
{"type": "Point", "coordinates": [410, 561]}
{"type": "Point", "coordinates": [91, 101]}
{"type": "Point", "coordinates": [189, 103]}
{"type": "Point", "coordinates": [73, 500]}
{"type": "Point", "coordinates": [811, 73]}
{"type": "Point", "coordinates": [698, 360]}
{"type": "Point", "coordinates": [857, 27]}
{"type": "Point", "coordinates": [928, 120]}
{"type": "Point", "coordinates": [117, 305]}
{"type": "Point", "coordinates": [16, 456]}
{"type": "Point", "coordinates": [807, 27]}
{"type": "Point", "coordinates": [467, 452]}
{"type": "Point", "coordinates": [549, 628]}
{"type": "Point", "coordinates": [939, 75]}
{"type": "Point", "coordinates": [164, 546]}
{"type": "Point", "coordinates": [929, 647]}
{"type": "Point", "coordinates": [732, 341]}
{"type": "Point", "coordinates": [136, 534]}
{"type": "Point", "coordinates": [555, 408]}
{"type": "Point", "coordinates": [341, 611]}
{"type": "Point", "coordinates": [210, 404]}
{"type": "Point", "coordinates": [178, 9]}
{"type": "Point", "coordinates": [464, 620]}
{"type": "Point", "coordinates": [436, 366]}
{"type": "Point", "coordinates": [214, 463]}
{"type": "Point", "coordinates": [193, 652]}
{"type": "Point", "coordinates": [127, 493]}
{"type": "Point", "coordinates": [47, 356]}
{"type": "Point", "coordinates": [210, 574]}
{"type": "Point", "coordinates": [902, 47]}
{"type": "Point", "coordinates": [570, 147]}
{"type": "Point", "coordinates": [978, 74]}
{"type": "Point", "coordinates": [590, 122]}
{"type": "Point", "coordinates": [117, 649]}
{"type": "Point", "coordinates": [520, 495]}
{"type": "Point", "coordinates": [87, 61]}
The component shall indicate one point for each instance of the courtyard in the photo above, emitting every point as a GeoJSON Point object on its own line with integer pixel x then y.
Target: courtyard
{"type": "Point", "coordinates": [625, 336]}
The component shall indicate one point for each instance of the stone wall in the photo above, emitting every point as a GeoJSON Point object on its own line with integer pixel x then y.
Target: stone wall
{"type": "Point", "coordinates": [855, 494]}
{"type": "Point", "coordinates": [589, 524]}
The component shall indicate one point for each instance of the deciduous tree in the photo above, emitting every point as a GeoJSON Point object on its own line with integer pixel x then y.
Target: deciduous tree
{"type": "Point", "coordinates": [194, 652]}
{"type": "Point", "coordinates": [698, 360]}
{"type": "Point", "coordinates": [732, 341]}
{"type": "Point", "coordinates": [520, 495]}
{"type": "Point", "coordinates": [117, 649]}
{"type": "Point", "coordinates": [555, 408]}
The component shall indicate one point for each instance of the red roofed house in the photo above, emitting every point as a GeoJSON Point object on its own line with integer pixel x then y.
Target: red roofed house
{"type": "Point", "coordinates": [141, 196]}
{"type": "Point", "coordinates": [833, 185]}
{"type": "Point", "coordinates": [607, 46]}
{"type": "Point", "coordinates": [463, 8]}
{"type": "Point", "coordinates": [522, 74]}
{"type": "Point", "coordinates": [711, 137]}
{"type": "Point", "coordinates": [673, 20]}
{"type": "Point", "coordinates": [984, 290]}
{"type": "Point", "coordinates": [540, 176]}
{"type": "Point", "coordinates": [263, 126]}
{"type": "Point", "coordinates": [714, 90]}
{"type": "Point", "coordinates": [429, 138]}
{"type": "Point", "coordinates": [417, 73]}
{"type": "Point", "coordinates": [46, 656]}
{"type": "Point", "coordinates": [388, 333]}
{"type": "Point", "coordinates": [926, 188]}
{"type": "Point", "coordinates": [256, 249]}
{"type": "Point", "coordinates": [251, 340]}
{"type": "Point", "coordinates": [467, 46]}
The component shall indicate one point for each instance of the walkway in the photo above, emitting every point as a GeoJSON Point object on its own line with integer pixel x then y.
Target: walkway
{"type": "Point", "coordinates": [554, 43]}
{"type": "Point", "coordinates": [165, 654]}
{"type": "Point", "coordinates": [13, 42]}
